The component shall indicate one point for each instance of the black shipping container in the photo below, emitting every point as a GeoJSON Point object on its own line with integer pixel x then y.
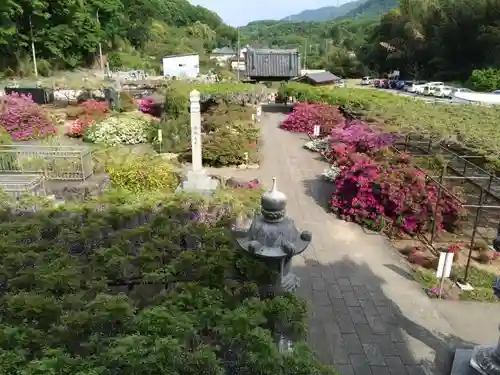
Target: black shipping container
{"type": "Point", "coordinates": [39, 95]}
{"type": "Point", "coordinates": [272, 63]}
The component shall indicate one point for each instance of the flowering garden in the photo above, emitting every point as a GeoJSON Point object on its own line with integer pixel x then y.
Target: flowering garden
{"type": "Point", "coordinates": [381, 188]}
{"type": "Point", "coordinates": [140, 278]}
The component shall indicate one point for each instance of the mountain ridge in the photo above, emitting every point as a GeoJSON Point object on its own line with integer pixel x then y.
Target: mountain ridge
{"type": "Point", "coordinates": [327, 13]}
{"type": "Point", "coordinates": [353, 9]}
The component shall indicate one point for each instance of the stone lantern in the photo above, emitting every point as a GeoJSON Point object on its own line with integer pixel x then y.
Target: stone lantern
{"type": "Point", "coordinates": [273, 238]}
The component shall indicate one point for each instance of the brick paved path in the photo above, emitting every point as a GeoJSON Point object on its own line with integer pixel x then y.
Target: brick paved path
{"type": "Point", "coordinates": [367, 315]}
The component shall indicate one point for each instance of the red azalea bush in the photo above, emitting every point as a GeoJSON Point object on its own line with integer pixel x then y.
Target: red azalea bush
{"type": "Point", "coordinates": [340, 154]}
{"type": "Point", "coordinates": [392, 198]}
{"type": "Point", "coordinates": [92, 111]}
{"type": "Point", "coordinates": [305, 116]}
{"type": "Point", "coordinates": [24, 119]}
{"type": "Point", "coordinates": [361, 136]}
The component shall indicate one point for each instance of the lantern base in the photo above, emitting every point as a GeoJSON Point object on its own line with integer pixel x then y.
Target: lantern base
{"type": "Point", "coordinates": [478, 360]}
{"type": "Point", "coordinates": [199, 182]}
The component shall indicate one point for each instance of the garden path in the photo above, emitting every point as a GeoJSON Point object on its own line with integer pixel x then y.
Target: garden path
{"type": "Point", "coordinates": [368, 317]}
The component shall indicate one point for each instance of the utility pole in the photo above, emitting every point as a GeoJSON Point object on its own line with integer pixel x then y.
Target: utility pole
{"type": "Point", "coordinates": [305, 54]}
{"type": "Point", "coordinates": [238, 58]}
{"type": "Point", "coordinates": [33, 51]}
{"type": "Point", "coordinates": [100, 45]}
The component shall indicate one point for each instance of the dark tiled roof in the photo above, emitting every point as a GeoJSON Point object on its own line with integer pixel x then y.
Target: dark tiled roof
{"type": "Point", "coordinates": [272, 50]}
{"type": "Point", "coordinates": [322, 77]}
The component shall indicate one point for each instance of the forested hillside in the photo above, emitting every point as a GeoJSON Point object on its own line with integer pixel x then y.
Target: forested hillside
{"type": "Point", "coordinates": [134, 33]}
{"type": "Point", "coordinates": [439, 39]}
{"type": "Point", "coordinates": [371, 9]}
{"type": "Point", "coordinates": [325, 13]}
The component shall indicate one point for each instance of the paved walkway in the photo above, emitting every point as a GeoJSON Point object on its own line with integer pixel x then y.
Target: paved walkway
{"type": "Point", "coordinates": [367, 315]}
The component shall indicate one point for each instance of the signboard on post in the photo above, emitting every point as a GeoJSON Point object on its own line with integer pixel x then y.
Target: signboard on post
{"type": "Point", "coordinates": [443, 270]}
{"type": "Point", "coordinates": [316, 130]}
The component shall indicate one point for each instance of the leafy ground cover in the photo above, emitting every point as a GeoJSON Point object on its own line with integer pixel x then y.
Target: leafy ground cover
{"type": "Point", "coordinates": [142, 282]}
{"type": "Point", "coordinates": [383, 190]}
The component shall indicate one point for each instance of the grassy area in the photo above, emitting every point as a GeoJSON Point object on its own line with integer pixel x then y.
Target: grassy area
{"type": "Point", "coordinates": [481, 280]}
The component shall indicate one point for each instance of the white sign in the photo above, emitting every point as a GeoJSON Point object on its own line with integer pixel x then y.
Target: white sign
{"type": "Point", "coordinates": [444, 265]}
{"type": "Point", "coordinates": [160, 136]}
{"type": "Point", "coordinates": [316, 130]}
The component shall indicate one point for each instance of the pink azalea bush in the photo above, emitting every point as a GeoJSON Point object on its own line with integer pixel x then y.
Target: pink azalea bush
{"type": "Point", "coordinates": [150, 106]}
{"type": "Point", "coordinates": [361, 137]}
{"type": "Point", "coordinates": [394, 198]}
{"type": "Point", "coordinates": [24, 119]}
{"type": "Point", "coordinates": [305, 116]}
{"type": "Point", "coordinates": [91, 112]}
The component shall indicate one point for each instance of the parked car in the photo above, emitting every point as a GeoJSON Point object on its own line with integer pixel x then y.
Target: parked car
{"type": "Point", "coordinates": [496, 92]}
{"type": "Point", "coordinates": [441, 91]}
{"type": "Point", "coordinates": [413, 85]}
{"type": "Point", "coordinates": [377, 82]}
{"type": "Point", "coordinates": [339, 83]}
{"type": "Point", "coordinates": [400, 85]}
{"type": "Point", "coordinates": [460, 89]}
{"type": "Point", "coordinates": [384, 83]}
{"type": "Point", "coordinates": [426, 89]}
{"type": "Point", "coordinates": [365, 81]}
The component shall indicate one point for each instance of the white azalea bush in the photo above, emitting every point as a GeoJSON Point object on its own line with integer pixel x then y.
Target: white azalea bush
{"type": "Point", "coordinates": [331, 173]}
{"type": "Point", "coordinates": [129, 129]}
{"type": "Point", "coordinates": [318, 145]}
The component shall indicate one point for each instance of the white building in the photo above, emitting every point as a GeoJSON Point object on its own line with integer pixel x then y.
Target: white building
{"type": "Point", "coordinates": [181, 66]}
{"type": "Point", "coordinates": [222, 55]}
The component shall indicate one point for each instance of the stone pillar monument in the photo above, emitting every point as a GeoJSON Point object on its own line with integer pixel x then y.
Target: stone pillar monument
{"type": "Point", "coordinates": [197, 179]}
{"type": "Point", "coordinates": [273, 238]}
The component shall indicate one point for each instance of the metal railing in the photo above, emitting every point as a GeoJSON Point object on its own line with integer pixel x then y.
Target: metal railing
{"type": "Point", "coordinates": [52, 162]}
{"type": "Point", "coordinates": [483, 202]}
{"type": "Point", "coordinates": [17, 185]}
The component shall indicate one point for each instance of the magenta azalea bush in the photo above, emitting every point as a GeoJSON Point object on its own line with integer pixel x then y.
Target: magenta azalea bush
{"type": "Point", "coordinates": [361, 137]}
{"type": "Point", "coordinates": [394, 198]}
{"type": "Point", "coordinates": [305, 116]}
{"type": "Point", "coordinates": [24, 119]}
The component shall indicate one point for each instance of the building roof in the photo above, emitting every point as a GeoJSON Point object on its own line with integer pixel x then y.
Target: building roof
{"type": "Point", "coordinates": [180, 55]}
{"type": "Point", "coordinates": [272, 50]}
{"type": "Point", "coordinates": [223, 51]}
{"type": "Point", "coordinates": [321, 77]}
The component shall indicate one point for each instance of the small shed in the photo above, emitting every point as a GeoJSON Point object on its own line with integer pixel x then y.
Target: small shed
{"type": "Point", "coordinates": [319, 79]}
{"type": "Point", "coordinates": [272, 64]}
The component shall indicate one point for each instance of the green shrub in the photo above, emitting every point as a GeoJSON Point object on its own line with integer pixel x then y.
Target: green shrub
{"type": "Point", "coordinates": [176, 102]}
{"type": "Point", "coordinates": [127, 102]}
{"type": "Point", "coordinates": [176, 134]}
{"type": "Point", "coordinates": [143, 173]}
{"type": "Point", "coordinates": [225, 114]}
{"type": "Point", "coordinates": [228, 146]}
{"type": "Point", "coordinates": [485, 79]}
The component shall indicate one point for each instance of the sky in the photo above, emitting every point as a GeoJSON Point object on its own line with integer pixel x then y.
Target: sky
{"type": "Point", "coordinates": [241, 12]}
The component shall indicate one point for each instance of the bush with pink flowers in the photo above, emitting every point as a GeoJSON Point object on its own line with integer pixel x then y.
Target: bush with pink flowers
{"type": "Point", "coordinates": [361, 137]}
{"type": "Point", "coordinates": [89, 113]}
{"type": "Point", "coordinates": [305, 116]}
{"type": "Point", "coordinates": [393, 198]}
{"type": "Point", "coordinates": [24, 119]}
